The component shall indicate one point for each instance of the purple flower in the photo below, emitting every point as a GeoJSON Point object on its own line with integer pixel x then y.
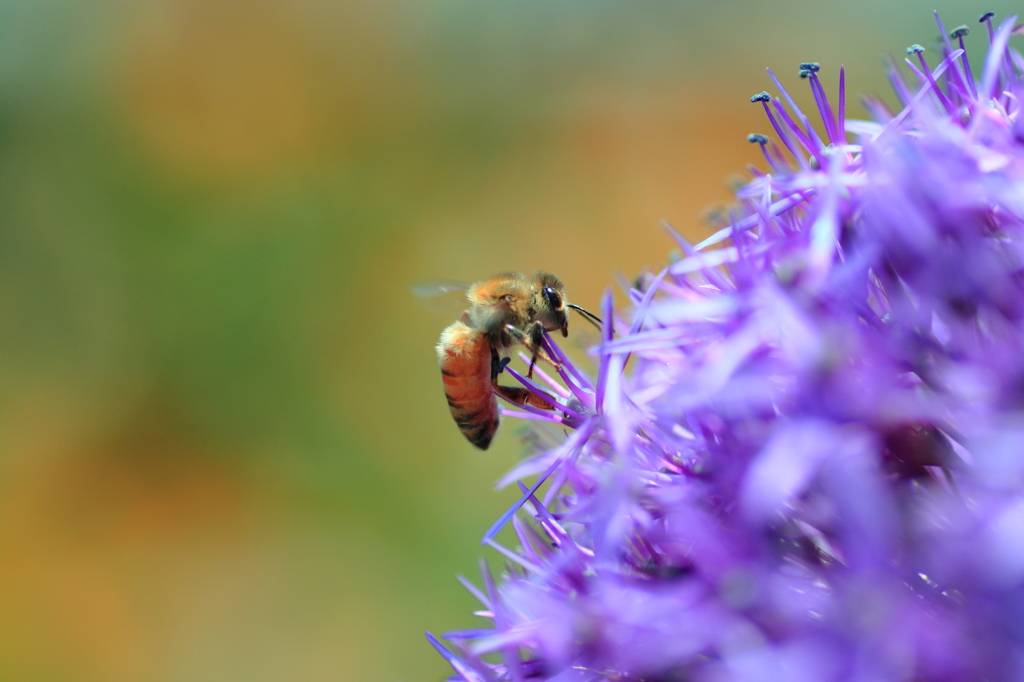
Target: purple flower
{"type": "Point", "coordinates": [802, 456]}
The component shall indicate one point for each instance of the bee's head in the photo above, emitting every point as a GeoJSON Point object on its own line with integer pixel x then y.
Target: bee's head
{"type": "Point", "coordinates": [555, 305]}
{"type": "Point", "coordinates": [551, 304]}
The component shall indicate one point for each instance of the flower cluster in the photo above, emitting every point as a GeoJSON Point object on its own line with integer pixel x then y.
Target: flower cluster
{"type": "Point", "coordinates": [802, 457]}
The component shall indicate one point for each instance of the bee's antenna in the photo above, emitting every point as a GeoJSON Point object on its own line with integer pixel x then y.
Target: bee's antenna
{"type": "Point", "coordinates": [587, 315]}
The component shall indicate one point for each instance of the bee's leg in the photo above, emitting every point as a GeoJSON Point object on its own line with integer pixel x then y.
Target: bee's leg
{"type": "Point", "coordinates": [536, 333]}
{"type": "Point", "coordinates": [532, 341]}
{"type": "Point", "coordinates": [522, 396]}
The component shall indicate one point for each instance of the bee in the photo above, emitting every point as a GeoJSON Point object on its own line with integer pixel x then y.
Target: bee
{"type": "Point", "coordinates": [505, 310]}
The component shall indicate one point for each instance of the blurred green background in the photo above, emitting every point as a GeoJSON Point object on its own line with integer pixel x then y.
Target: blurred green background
{"type": "Point", "coordinates": [224, 452]}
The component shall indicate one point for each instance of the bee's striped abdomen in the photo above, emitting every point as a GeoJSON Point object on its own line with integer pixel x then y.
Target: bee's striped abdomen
{"type": "Point", "coordinates": [465, 359]}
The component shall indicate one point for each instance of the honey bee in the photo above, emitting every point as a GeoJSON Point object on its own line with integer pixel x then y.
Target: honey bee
{"type": "Point", "coordinates": [505, 310]}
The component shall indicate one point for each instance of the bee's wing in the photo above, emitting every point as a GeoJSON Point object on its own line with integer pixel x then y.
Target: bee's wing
{"type": "Point", "coordinates": [442, 295]}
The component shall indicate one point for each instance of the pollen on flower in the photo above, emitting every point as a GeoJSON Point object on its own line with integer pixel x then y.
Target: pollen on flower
{"type": "Point", "coordinates": [796, 452]}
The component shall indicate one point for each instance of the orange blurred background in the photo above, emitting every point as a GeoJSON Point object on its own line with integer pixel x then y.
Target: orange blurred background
{"type": "Point", "coordinates": [224, 453]}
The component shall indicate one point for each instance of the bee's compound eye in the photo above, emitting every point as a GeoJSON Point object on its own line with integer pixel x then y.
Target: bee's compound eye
{"type": "Point", "coordinates": [553, 298]}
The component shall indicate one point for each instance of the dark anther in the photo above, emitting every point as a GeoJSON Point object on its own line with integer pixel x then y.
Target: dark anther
{"type": "Point", "coordinates": [758, 138]}
{"type": "Point", "coordinates": [959, 32]}
{"type": "Point", "coordinates": [805, 73]}
{"type": "Point", "coordinates": [915, 49]}
{"type": "Point", "coordinates": [985, 17]}
{"type": "Point", "coordinates": [813, 67]}
{"type": "Point", "coordinates": [503, 364]}
{"type": "Point", "coordinates": [761, 97]}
